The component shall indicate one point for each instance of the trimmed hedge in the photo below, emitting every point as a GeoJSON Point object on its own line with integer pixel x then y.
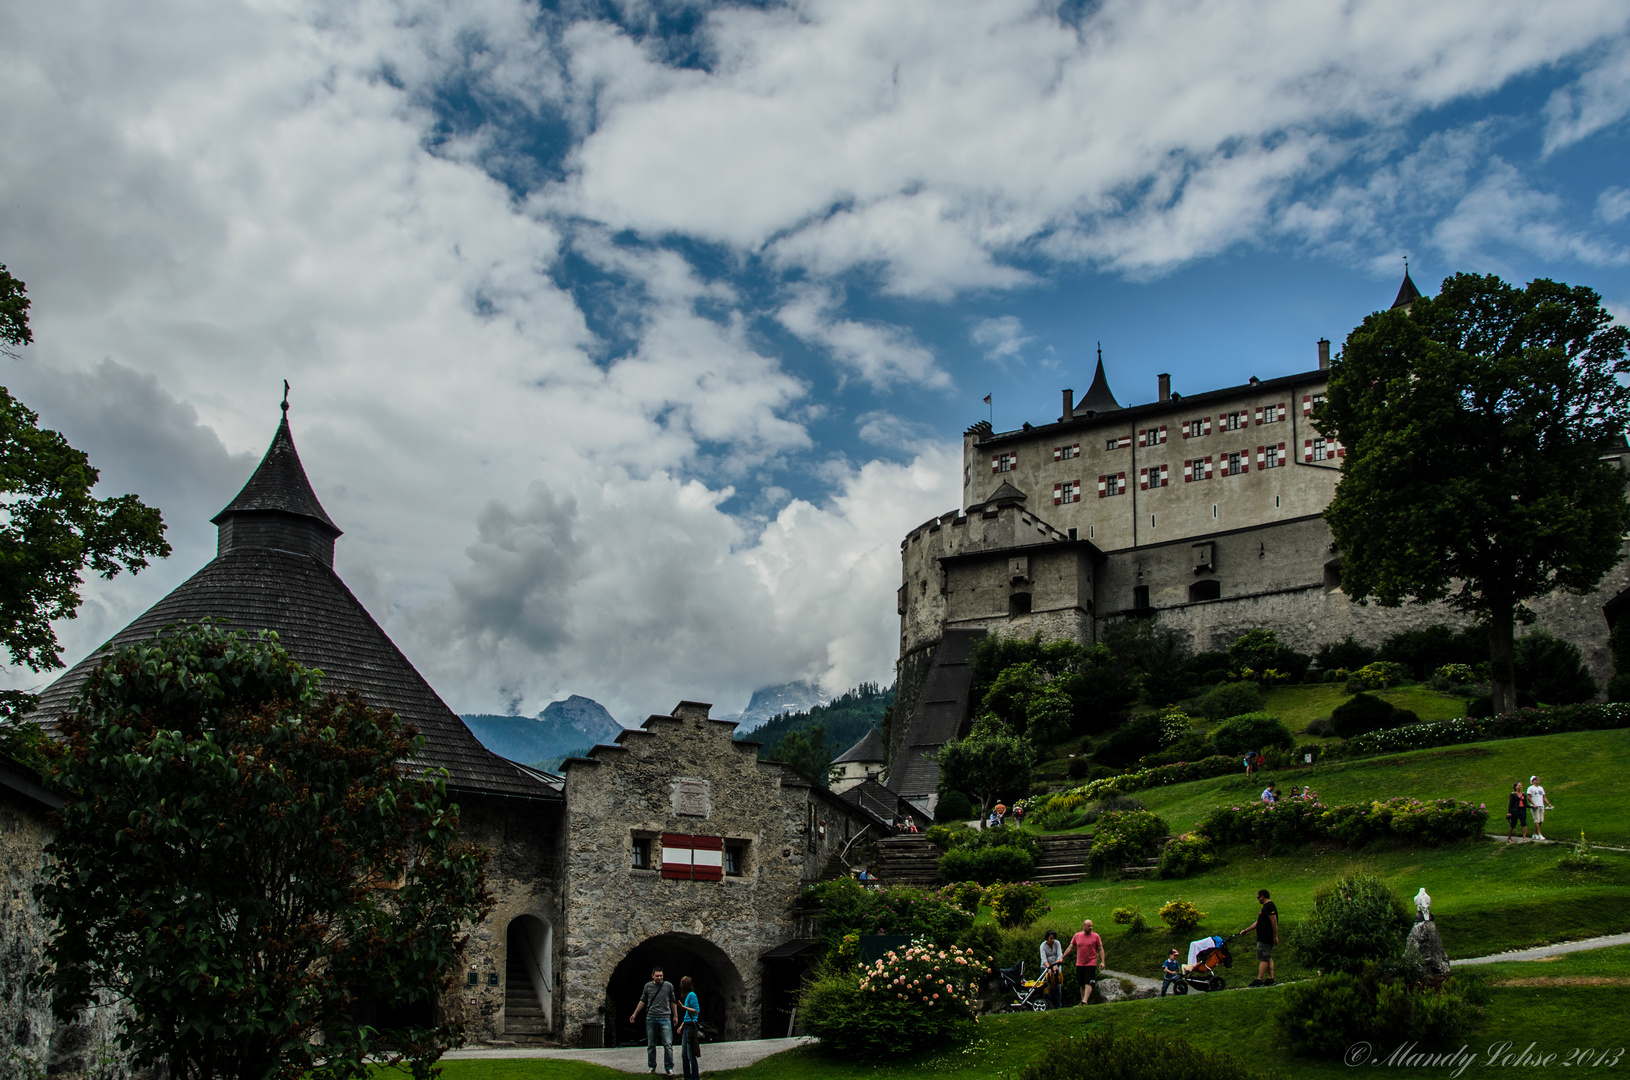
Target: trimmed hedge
{"type": "Point", "coordinates": [1512, 725]}
{"type": "Point", "coordinates": [1289, 822]}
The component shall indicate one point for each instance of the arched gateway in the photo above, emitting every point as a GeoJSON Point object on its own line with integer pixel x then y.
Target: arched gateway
{"type": "Point", "coordinates": [719, 985]}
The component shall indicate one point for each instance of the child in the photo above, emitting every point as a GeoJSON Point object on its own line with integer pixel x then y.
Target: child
{"type": "Point", "coordinates": [1170, 970]}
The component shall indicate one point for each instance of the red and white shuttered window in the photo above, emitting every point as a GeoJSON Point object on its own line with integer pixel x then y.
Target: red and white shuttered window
{"type": "Point", "coordinates": [1069, 492]}
{"type": "Point", "coordinates": [1322, 450]}
{"type": "Point", "coordinates": [1065, 453]}
{"type": "Point", "coordinates": [1270, 457]}
{"type": "Point", "coordinates": [1193, 429]}
{"type": "Point", "coordinates": [1153, 476]}
{"type": "Point", "coordinates": [1113, 484]}
{"type": "Point", "coordinates": [692, 858]}
{"type": "Point", "coordinates": [1234, 463]}
{"type": "Point", "coordinates": [1152, 436]}
{"type": "Point", "coordinates": [1000, 463]}
{"type": "Point", "coordinates": [1197, 469]}
{"type": "Point", "coordinates": [1119, 442]}
{"type": "Point", "coordinates": [1271, 414]}
{"type": "Point", "coordinates": [1308, 401]}
{"type": "Point", "coordinates": [1233, 421]}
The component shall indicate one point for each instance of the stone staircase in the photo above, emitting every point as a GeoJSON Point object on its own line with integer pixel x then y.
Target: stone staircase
{"type": "Point", "coordinates": [908, 859]}
{"type": "Point", "coordinates": [1149, 867]}
{"type": "Point", "coordinates": [1063, 859]}
{"type": "Point", "coordinates": [524, 1021]}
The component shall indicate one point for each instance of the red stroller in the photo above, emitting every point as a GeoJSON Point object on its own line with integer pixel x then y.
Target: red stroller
{"type": "Point", "coordinates": [1206, 959]}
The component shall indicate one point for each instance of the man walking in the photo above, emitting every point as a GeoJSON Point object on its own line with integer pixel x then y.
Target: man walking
{"type": "Point", "coordinates": [1267, 936]}
{"type": "Point", "coordinates": [1088, 948]}
{"type": "Point", "coordinates": [657, 1002]}
{"type": "Point", "coordinates": [1537, 806]}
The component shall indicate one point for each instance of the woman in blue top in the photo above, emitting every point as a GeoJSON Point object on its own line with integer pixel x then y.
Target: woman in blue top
{"type": "Point", "coordinates": [690, 1016]}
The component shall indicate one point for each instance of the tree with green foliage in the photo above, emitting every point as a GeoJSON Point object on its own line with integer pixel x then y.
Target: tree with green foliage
{"type": "Point", "coordinates": [53, 527]}
{"type": "Point", "coordinates": [1474, 424]}
{"type": "Point", "coordinates": [248, 864]}
{"type": "Point", "coordinates": [808, 751]}
{"type": "Point", "coordinates": [988, 764]}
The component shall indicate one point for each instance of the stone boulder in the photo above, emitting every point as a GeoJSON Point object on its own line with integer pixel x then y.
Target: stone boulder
{"type": "Point", "coordinates": [1426, 943]}
{"type": "Point", "coordinates": [1108, 990]}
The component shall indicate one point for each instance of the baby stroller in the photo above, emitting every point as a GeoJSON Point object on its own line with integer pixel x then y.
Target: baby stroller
{"type": "Point", "coordinates": [1206, 958]}
{"type": "Point", "coordinates": [1030, 995]}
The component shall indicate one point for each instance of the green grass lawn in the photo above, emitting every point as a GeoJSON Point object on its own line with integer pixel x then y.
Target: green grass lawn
{"type": "Point", "coordinates": [1298, 706]}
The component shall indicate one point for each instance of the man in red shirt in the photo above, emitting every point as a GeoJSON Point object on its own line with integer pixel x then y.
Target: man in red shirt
{"type": "Point", "coordinates": [1088, 948]}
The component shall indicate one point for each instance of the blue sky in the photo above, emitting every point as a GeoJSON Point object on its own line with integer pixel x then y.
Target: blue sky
{"type": "Point", "coordinates": [628, 338]}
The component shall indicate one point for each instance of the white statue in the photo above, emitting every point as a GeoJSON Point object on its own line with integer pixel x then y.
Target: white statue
{"type": "Point", "coordinates": [1423, 904]}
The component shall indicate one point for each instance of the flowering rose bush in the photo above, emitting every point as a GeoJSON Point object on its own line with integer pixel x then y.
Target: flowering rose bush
{"type": "Point", "coordinates": [910, 1000]}
{"type": "Point", "coordinates": [1289, 822]}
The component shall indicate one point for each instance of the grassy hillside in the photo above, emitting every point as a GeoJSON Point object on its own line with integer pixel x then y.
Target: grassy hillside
{"type": "Point", "coordinates": [847, 718]}
{"type": "Point", "coordinates": [1298, 706]}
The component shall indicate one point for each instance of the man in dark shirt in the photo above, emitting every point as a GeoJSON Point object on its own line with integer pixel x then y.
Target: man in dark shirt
{"type": "Point", "coordinates": [1267, 936]}
{"type": "Point", "coordinates": [657, 1002]}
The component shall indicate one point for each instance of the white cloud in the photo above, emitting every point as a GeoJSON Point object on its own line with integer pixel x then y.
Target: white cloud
{"type": "Point", "coordinates": [1002, 338]}
{"type": "Point", "coordinates": [891, 432]}
{"type": "Point", "coordinates": [880, 354]}
{"type": "Point", "coordinates": [1613, 205]}
{"type": "Point", "coordinates": [1597, 99]}
{"type": "Point", "coordinates": [1502, 210]}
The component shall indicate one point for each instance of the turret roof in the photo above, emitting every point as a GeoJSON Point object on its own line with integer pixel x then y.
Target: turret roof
{"type": "Point", "coordinates": [1407, 292]}
{"type": "Point", "coordinates": [279, 484]}
{"type": "Point", "coordinates": [869, 748]}
{"type": "Point", "coordinates": [1098, 397]}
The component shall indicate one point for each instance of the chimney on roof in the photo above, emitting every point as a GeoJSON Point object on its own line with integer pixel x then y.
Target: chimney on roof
{"type": "Point", "coordinates": [1165, 386]}
{"type": "Point", "coordinates": [1069, 405]}
{"type": "Point", "coordinates": [1324, 354]}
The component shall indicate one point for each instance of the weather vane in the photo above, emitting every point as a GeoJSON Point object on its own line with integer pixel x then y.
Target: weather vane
{"type": "Point", "coordinates": [285, 397]}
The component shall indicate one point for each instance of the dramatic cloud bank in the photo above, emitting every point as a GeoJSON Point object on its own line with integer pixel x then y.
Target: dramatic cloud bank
{"type": "Point", "coordinates": [626, 349]}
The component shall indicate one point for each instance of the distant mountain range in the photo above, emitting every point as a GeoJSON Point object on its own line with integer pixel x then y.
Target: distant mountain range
{"type": "Point", "coordinates": [772, 701]}
{"type": "Point", "coordinates": [563, 729]}
{"type": "Point", "coordinates": [846, 718]}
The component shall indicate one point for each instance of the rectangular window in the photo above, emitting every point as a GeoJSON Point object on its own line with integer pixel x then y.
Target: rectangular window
{"type": "Point", "coordinates": [1153, 476]}
{"type": "Point", "coordinates": [1198, 469]}
{"type": "Point", "coordinates": [1002, 463]}
{"type": "Point", "coordinates": [1120, 442]}
{"type": "Point", "coordinates": [1065, 453]}
{"type": "Point", "coordinates": [1233, 421]}
{"type": "Point", "coordinates": [1232, 466]}
{"type": "Point", "coordinates": [735, 859]}
{"type": "Point", "coordinates": [1113, 484]}
{"type": "Point", "coordinates": [1271, 414]}
{"type": "Point", "coordinates": [1067, 492]}
{"type": "Point", "coordinates": [642, 853]}
{"type": "Point", "coordinates": [1308, 401]}
{"type": "Point", "coordinates": [1152, 436]}
{"type": "Point", "coordinates": [1200, 425]}
{"type": "Point", "coordinates": [1320, 453]}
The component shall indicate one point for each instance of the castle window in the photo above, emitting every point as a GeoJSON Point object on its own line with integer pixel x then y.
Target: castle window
{"type": "Point", "coordinates": [1152, 436]}
{"type": "Point", "coordinates": [1200, 425]}
{"type": "Point", "coordinates": [1153, 476]}
{"type": "Point", "coordinates": [1271, 414]}
{"type": "Point", "coordinates": [1207, 589]}
{"type": "Point", "coordinates": [1018, 604]}
{"type": "Point", "coordinates": [1197, 469]}
{"type": "Point", "coordinates": [1114, 484]}
{"type": "Point", "coordinates": [735, 859]}
{"type": "Point", "coordinates": [1065, 453]}
{"type": "Point", "coordinates": [1310, 400]}
{"type": "Point", "coordinates": [642, 853]}
{"type": "Point", "coordinates": [1140, 597]}
{"type": "Point", "coordinates": [1067, 492]}
{"type": "Point", "coordinates": [1233, 421]}
{"type": "Point", "coordinates": [1001, 463]}
{"type": "Point", "coordinates": [1119, 442]}
{"type": "Point", "coordinates": [1233, 466]}
{"type": "Point", "coordinates": [1320, 451]}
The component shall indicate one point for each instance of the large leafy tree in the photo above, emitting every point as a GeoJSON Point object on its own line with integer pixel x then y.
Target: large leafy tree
{"type": "Point", "coordinates": [808, 750]}
{"type": "Point", "coordinates": [52, 528]}
{"type": "Point", "coordinates": [1475, 423]}
{"type": "Point", "coordinates": [990, 763]}
{"type": "Point", "coordinates": [247, 863]}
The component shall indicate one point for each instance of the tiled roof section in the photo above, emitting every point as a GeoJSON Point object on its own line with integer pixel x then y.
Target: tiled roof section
{"type": "Point", "coordinates": [323, 626]}
{"type": "Point", "coordinates": [279, 484]}
{"type": "Point", "coordinates": [941, 711]}
{"type": "Point", "coordinates": [1006, 493]}
{"type": "Point", "coordinates": [869, 748]}
{"type": "Point", "coordinates": [1407, 292]}
{"type": "Point", "coordinates": [1098, 398]}
{"type": "Point", "coordinates": [878, 801]}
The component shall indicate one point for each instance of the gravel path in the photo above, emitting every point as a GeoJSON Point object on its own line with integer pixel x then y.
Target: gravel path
{"type": "Point", "coordinates": [631, 1059]}
{"type": "Point", "coordinates": [1549, 950]}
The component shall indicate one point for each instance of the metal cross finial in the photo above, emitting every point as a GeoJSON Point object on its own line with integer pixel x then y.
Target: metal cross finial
{"type": "Point", "coordinates": [285, 397]}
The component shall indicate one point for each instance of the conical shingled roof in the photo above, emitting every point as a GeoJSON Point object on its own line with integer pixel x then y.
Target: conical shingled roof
{"type": "Point", "coordinates": [1407, 292]}
{"type": "Point", "coordinates": [869, 748]}
{"type": "Point", "coordinates": [279, 484]}
{"type": "Point", "coordinates": [1098, 398]}
{"type": "Point", "coordinates": [256, 582]}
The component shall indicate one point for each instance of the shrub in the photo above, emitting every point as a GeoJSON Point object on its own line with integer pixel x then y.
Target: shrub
{"type": "Point", "coordinates": [1360, 715]}
{"type": "Point", "coordinates": [1251, 731]}
{"type": "Point", "coordinates": [1455, 674]}
{"type": "Point", "coordinates": [1192, 746]}
{"type": "Point", "coordinates": [960, 835]}
{"type": "Point", "coordinates": [1131, 918]}
{"type": "Point", "coordinates": [1180, 916]}
{"type": "Point", "coordinates": [1481, 707]}
{"type": "Point", "coordinates": [1017, 904]}
{"type": "Point", "coordinates": [1425, 650]}
{"type": "Point", "coordinates": [1354, 920]}
{"type": "Point", "coordinates": [1260, 650]}
{"type": "Point", "coordinates": [1376, 676]}
{"type": "Point", "coordinates": [986, 865]}
{"type": "Point", "coordinates": [849, 907]}
{"type": "Point", "coordinates": [964, 894]}
{"type": "Point", "coordinates": [1110, 1055]}
{"type": "Point", "coordinates": [1230, 699]}
{"type": "Point", "coordinates": [1184, 855]}
{"type": "Point", "coordinates": [1347, 654]}
{"type": "Point", "coordinates": [1579, 858]}
{"type": "Point", "coordinates": [953, 806]}
{"type": "Point", "coordinates": [1078, 768]}
{"type": "Point", "coordinates": [1060, 818]}
{"type": "Point", "coordinates": [1320, 728]}
{"type": "Point", "coordinates": [1552, 669]}
{"type": "Point", "coordinates": [1323, 1017]}
{"type": "Point", "coordinates": [1588, 717]}
{"type": "Point", "coordinates": [906, 1002]}
{"type": "Point", "coordinates": [1131, 741]}
{"type": "Point", "coordinates": [1289, 822]}
{"type": "Point", "coordinates": [1122, 837]}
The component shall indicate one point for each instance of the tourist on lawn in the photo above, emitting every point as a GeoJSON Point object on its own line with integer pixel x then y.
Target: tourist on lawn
{"type": "Point", "coordinates": [1001, 813]}
{"type": "Point", "coordinates": [1537, 806]}
{"type": "Point", "coordinates": [1250, 762]}
{"type": "Point", "coordinates": [1052, 969]}
{"type": "Point", "coordinates": [1516, 810]}
{"type": "Point", "coordinates": [1018, 815]}
{"type": "Point", "coordinates": [1267, 936]}
{"type": "Point", "coordinates": [657, 1003]}
{"type": "Point", "coordinates": [1270, 794]}
{"type": "Point", "coordinates": [1171, 971]}
{"type": "Point", "coordinates": [690, 1018]}
{"type": "Point", "coordinates": [1088, 948]}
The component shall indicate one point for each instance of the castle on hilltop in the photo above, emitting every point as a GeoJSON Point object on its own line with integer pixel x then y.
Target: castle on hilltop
{"type": "Point", "coordinates": [1203, 512]}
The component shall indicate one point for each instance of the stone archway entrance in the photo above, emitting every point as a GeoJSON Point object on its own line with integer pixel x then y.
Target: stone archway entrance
{"type": "Point", "coordinates": [528, 979]}
{"type": "Point", "coordinates": [718, 986]}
